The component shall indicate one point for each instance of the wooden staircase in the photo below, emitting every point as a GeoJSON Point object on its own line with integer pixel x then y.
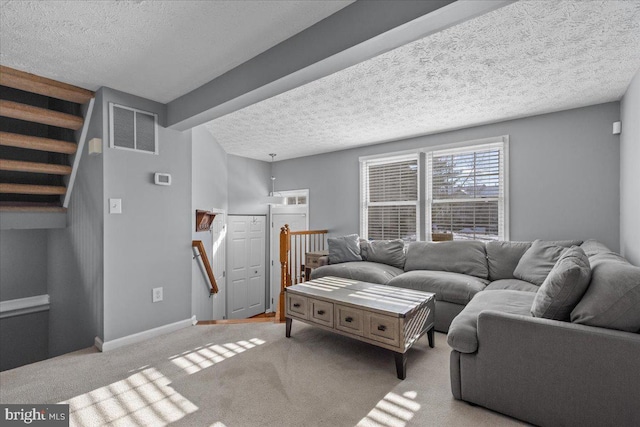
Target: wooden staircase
{"type": "Point", "coordinates": [39, 123]}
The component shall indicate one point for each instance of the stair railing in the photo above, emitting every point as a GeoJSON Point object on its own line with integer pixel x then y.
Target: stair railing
{"type": "Point", "coordinates": [202, 253]}
{"type": "Point", "coordinates": [78, 154]}
{"type": "Point", "coordinates": [293, 248]}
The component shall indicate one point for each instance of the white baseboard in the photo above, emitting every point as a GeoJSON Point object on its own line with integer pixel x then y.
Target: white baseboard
{"type": "Point", "coordinates": [144, 335]}
{"type": "Point", "coordinates": [17, 307]}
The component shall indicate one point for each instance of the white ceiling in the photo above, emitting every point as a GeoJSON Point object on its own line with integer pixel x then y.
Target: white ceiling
{"type": "Point", "coordinates": [158, 50]}
{"type": "Point", "coordinates": [528, 58]}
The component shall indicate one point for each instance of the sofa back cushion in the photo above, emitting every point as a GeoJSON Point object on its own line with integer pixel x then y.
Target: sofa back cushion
{"type": "Point", "coordinates": [539, 259]}
{"type": "Point", "coordinates": [503, 257]}
{"type": "Point", "coordinates": [464, 257]}
{"type": "Point", "coordinates": [344, 249]}
{"type": "Point", "coordinates": [564, 286]}
{"type": "Point", "coordinates": [612, 299]}
{"type": "Point", "coordinates": [390, 252]}
{"type": "Point", "coordinates": [592, 247]}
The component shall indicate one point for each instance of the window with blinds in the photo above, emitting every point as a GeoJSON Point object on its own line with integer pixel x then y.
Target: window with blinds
{"type": "Point", "coordinates": [466, 192]}
{"type": "Point", "coordinates": [389, 198]}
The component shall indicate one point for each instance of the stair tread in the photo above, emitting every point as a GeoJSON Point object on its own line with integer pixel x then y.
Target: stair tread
{"type": "Point", "coordinates": [17, 79]}
{"type": "Point", "coordinates": [30, 207]}
{"type": "Point", "coordinates": [37, 143]}
{"type": "Point", "coordinates": [44, 116]}
{"type": "Point", "coordinates": [32, 189]}
{"type": "Point", "coordinates": [34, 167]}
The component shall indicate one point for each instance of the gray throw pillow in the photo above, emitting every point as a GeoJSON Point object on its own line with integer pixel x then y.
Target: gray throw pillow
{"type": "Point", "coordinates": [390, 252]}
{"type": "Point", "coordinates": [537, 262]}
{"type": "Point", "coordinates": [613, 298]}
{"type": "Point", "coordinates": [364, 248]}
{"type": "Point", "coordinates": [344, 249]}
{"type": "Point", "coordinates": [564, 286]}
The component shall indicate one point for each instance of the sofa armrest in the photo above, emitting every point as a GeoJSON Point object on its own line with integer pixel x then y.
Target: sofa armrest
{"type": "Point", "coordinates": [553, 373]}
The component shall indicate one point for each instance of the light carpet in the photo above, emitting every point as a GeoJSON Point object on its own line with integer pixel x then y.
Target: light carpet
{"type": "Point", "coordinates": [249, 375]}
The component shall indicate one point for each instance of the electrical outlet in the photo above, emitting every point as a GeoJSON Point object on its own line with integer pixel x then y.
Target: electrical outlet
{"type": "Point", "coordinates": [157, 295]}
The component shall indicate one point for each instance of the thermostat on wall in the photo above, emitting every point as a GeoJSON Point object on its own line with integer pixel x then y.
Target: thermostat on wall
{"type": "Point", "coordinates": [162, 178]}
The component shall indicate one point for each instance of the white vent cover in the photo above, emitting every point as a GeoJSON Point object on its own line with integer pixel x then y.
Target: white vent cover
{"type": "Point", "coordinates": [133, 129]}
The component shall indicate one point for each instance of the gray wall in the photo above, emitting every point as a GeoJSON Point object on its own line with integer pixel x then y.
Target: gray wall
{"type": "Point", "coordinates": [23, 263]}
{"type": "Point", "coordinates": [630, 172]}
{"type": "Point", "coordinates": [75, 256]}
{"type": "Point", "coordinates": [23, 339]}
{"type": "Point", "coordinates": [23, 273]}
{"type": "Point", "coordinates": [249, 182]}
{"type": "Point", "coordinates": [149, 244]}
{"type": "Point", "coordinates": [564, 175]}
{"type": "Point", "coordinates": [208, 191]}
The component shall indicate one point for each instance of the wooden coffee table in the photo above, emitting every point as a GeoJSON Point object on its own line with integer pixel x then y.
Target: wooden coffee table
{"type": "Point", "coordinates": [385, 316]}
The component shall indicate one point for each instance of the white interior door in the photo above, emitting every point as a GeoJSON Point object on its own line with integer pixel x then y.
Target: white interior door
{"type": "Point", "coordinates": [297, 222]}
{"type": "Point", "coordinates": [246, 284]}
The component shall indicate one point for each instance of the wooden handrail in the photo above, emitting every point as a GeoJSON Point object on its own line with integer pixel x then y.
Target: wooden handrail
{"type": "Point", "coordinates": [207, 265]}
{"type": "Point", "coordinates": [292, 258]}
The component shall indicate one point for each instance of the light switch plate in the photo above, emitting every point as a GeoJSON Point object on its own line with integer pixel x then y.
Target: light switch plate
{"type": "Point", "coordinates": [115, 206]}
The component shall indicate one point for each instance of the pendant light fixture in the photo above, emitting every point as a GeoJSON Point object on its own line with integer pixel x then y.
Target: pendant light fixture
{"type": "Point", "coordinates": [272, 199]}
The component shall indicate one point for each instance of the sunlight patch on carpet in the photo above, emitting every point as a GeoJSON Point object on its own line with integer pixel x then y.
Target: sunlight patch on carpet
{"type": "Point", "coordinates": [192, 361]}
{"type": "Point", "coordinates": [143, 398]}
{"type": "Point", "coordinates": [392, 411]}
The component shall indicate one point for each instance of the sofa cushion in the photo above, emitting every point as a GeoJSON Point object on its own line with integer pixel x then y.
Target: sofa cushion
{"type": "Point", "coordinates": [537, 261]}
{"type": "Point", "coordinates": [512, 285]}
{"type": "Point", "coordinates": [463, 257]}
{"type": "Point", "coordinates": [463, 332]}
{"type": "Point", "coordinates": [451, 287]}
{"type": "Point", "coordinates": [344, 249]}
{"type": "Point", "coordinates": [503, 257]}
{"type": "Point", "coordinates": [389, 252]}
{"type": "Point", "coordinates": [363, 271]}
{"type": "Point", "coordinates": [593, 247]}
{"type": "Point", "coordinates": [564, 286]}
{"type": "Point", "coordinates": [612, 299]}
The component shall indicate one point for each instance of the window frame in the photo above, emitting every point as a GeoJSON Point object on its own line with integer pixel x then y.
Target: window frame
{"type": "Point", "coordinates": [365, 163]}
{"type": "Point", "coordinates": [501, 143]}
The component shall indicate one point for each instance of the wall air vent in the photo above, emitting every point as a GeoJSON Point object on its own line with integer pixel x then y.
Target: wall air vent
{"type": "Point", "coordinates": [132, 129]}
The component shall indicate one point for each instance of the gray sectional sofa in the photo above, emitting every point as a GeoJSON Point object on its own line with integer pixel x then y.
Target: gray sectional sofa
{"type": "Point", "coordinates": [579, 367]}
{"type": "Point", "coordinates": [455, 271]}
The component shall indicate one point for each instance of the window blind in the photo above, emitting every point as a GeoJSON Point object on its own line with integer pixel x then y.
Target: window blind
{"type": "Point", "coordinates": [390, 193]}
{"type": "Point", "coordinates": [467, 192]}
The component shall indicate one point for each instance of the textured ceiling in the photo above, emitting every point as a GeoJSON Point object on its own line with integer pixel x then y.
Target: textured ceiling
{"type": "Point", "coordinates": [155, 49]}
{"type": "Point", "coordinates": [528, 58]}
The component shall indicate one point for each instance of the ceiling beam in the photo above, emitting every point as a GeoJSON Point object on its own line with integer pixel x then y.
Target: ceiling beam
{"type": "Point", "coordinates": [358, 32]}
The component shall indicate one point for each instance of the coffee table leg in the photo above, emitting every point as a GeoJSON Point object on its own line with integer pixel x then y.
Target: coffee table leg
{"type": "Point", "coordinates": [288, 326]}
{"type": "Point", "coordinates": [430, 336]}
{"type": "Point", "coordinates": [401, 365]}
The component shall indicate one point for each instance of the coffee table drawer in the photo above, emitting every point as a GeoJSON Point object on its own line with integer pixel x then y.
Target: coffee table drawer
{"type": "Point", "coordinates": [382, 328]}
{"type": "Point", "coordinates": [349, 320]}
{"type": "Point", "coordinates": [321, 312]}
{"type": "Point", "coordinates": [297, 306]}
